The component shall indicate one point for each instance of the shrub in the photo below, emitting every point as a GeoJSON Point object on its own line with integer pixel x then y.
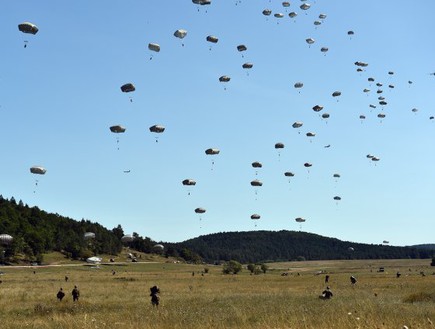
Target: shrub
{"type": "Point", "coordinates": [232, 267]}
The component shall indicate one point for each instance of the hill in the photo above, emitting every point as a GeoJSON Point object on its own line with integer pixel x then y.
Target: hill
{"type": "Point", "coordinates": [261, 246]}
{"type": "Point", "coordinates": [427, 246]}
{"type": "Point", "coordinates": [36, 232]}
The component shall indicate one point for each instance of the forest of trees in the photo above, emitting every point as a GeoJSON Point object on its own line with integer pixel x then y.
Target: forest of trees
{"type": "Point", "coordinates": [263, 246]}
{"type": "Point", "coordinates": [36, 232]}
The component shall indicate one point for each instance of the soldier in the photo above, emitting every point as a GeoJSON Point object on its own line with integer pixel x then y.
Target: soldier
{"type": "Point", "coordinates": [326, 278]}
{"type": "Point", "coordinates": [75, 293]}
{"type": "Point", "coordinates": [155, 299]}
{"type": "Point", "coordinates": [352, 280]}
{"type": "Point", "coordinates": [326, 294]}
{"type": "Point", "coordinates": [60, 294]}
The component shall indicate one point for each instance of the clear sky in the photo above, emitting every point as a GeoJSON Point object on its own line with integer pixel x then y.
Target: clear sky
{"type": "Point", "coordinates": [60, 94]}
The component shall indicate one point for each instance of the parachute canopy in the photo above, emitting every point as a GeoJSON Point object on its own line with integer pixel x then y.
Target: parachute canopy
{"type": "Point", "coordinates": [28, 27]}
{"type": "Point", "coordinates": [256, 164]}
{"type": "Point", "coordinates": [157, 129]}
{"type": "Point", "coordinates": [212, 151]}
{"type": "Point", "coordinates": [256, 182]}
{"type": "Point", "coordinates": [154, 47]}
{"type": "Point", "coordinates": [159, 246]}
{"type": "Point", "coordinates": [212, 39]}
{"type": "Point", "coordinates": [127, 238]}
{"type": "Point", "coordinates": [336, 93]}
{"type": "Point", "coordinates": [189, 182]}
{"type": "Point", "coordinates": [180, 33]}
{"type": "Point", "coordinates": [255, 216]}
{"type": "Point", "coordinates": [247, 65]}
{"type": "Point", "coordinates": [317, 108]}
{"type": "Point", "coordinates": [38, 170]}
{"type": "Point", "coordinates": [298, 85]}
{"type": "Point", "coordinates": [241, 48]}
{"type": "Point", "coordinates": [224, 78]}
{"type": "Point", "coordinates": [279, 145]}
{"type": "Point", "coordinates": [6, 239]}
{"type": "Point", "coordinates": [117, 129]}
{"type": "Point", "coordinates": [300, 219]}
{"type": "Point", "coordinates": [89, 235]}
{"type": "Point", "coordinates": [288, 174]}
{"type": "Point", "coordinates": [297, 124]}
{"type": "Point", "coordinates": [127, 88]}
{"type": "Point", "coordinates": [310, 41]}
{"type": "Point", "coordinates": [200, 210]}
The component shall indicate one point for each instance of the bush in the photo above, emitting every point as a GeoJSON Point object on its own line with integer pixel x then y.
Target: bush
{"type": "Point", "coordinates": [433, 262]}
{"type": "Point", "coordinates": [232, 267]}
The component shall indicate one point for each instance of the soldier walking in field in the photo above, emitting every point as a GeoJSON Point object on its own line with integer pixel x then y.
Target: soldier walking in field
{"type": "Point", "coordinates": [60, 294]}
{"type": "Point", "coordinates": [75, 293]}
{"type": "Point", "coordinates": [326, 294]}
{"type": "Point", "coordinates": [155, 299]}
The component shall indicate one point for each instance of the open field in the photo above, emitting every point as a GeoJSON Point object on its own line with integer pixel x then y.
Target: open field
{"type": "Point", "coordinates": [214, 300]}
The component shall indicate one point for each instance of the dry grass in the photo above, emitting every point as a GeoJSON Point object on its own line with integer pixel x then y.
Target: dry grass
{"type": "Point", "coordinates": [214, 300]}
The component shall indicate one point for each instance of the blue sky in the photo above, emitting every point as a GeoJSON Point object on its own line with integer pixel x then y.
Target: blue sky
{"type": "Point", "coordinates": [61, 93]}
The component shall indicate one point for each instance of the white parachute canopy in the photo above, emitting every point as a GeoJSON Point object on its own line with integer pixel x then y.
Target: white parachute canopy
{"type": "Point", "coordinates": [127, 238]}
{"type": "Point", "coordinates": [89, 235]}
{"type": "Point", "coordinates": [6, 239]}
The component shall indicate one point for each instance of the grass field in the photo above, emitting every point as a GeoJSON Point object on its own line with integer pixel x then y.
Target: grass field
{"type": "Point", "coordinates": [213, 300]}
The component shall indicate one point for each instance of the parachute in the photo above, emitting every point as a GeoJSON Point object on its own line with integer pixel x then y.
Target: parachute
{"type": "Point", "coordinates": [189, 182]}
{"type": "Point", "coordinates": [89, 235]}
{"type": "Point", "coordinates": [157, 129]}
{"type": "Point", "coordinates": [298, 85]}
{"type": "Point", "coordinates": [256, 164]}
{"type": "Point", "coordinates": [336, 93]}
{"type": "Point", "coordinates": [154, 47]}
{"type": "Point", "coordinates": [292, 14]}
{"type": "Point", "coordinates": [38, 170]}
{"type": "Point", "coordinates": [310, 41]}
{"type": "Point", "coordinates": [337, 198]}
{"type": "Point", "coordinates": [255, 217]}
{"type": "Point", "coordinates": [279, 145]}
{"type": "Point", "coordinates": [180, 33]}
{"type": "Point", "coordinates": [212, 39]}
{"type": "Point", "coordinates": [212, 151]}
{"type": "Point", "coordinates": [247, 65]}
{"type": "Point", "coordinates": [241, 48]}
{"type": "Point", "coordinates": [317, 108]}
{"type": "Point", "coordinates": [159, 247]}
{"type": "Point", "coordinates": [127, 238]}
{"type": "Point", "coordinates": [351, 249]}
{"type": "Point", "coordinates": [256, 182]}
{"type": "Point", "coordinates": [6, 239]}
{"type": "Point", "coordinates": [305, 6]}
{"type": "Point", "coordinates": [28, 27]}
{"type": "Point", "coordinates": [117, 129]}
{"type": "Point", "coordinates": [297, 124]}
{"type": "Point", "coordinates": [200, 210]}
{"type": "Point", "coordinates": [224, 78]}
{"type": "Point", "coordinates": [300, 220]}
{"type": "Point", "coordinates": [307, 164]}
{"type": "Point", "coordinates": [286, 4]}
{"type": "Point", "coordinates": [128, 88]}
{"type": "Point", "coordinates": [322, 16]}
{"type": "Point", "coordinates": [289, 174]}
{"type": "Point", "coordinates": [324, 50]}
{"type": "Point", "coordinates": [267, 12]}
